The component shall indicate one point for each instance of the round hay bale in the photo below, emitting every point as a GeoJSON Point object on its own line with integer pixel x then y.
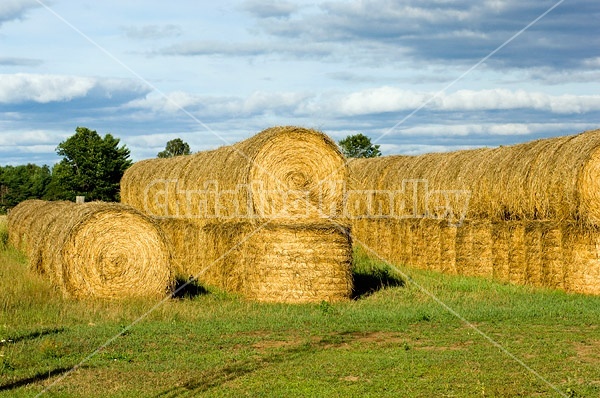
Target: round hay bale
{"type": "Point", "coordinates": [104, 250]}
{"type": "Point", "coordinates": [279, 262]}
{"type": "Point", "coordinates": [548, 179]}
{"type": "Point", "coordinates": [282, 173]}
{"type": "Point", "coordinates": [19, 224]}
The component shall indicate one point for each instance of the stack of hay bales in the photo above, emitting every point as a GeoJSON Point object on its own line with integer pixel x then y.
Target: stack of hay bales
{"type": "Point", "coordinates": [104, 250]}
{"type": "Point", "coordinates": [260, 217]}
{"type": "Point", "coordinates": [527, 213]}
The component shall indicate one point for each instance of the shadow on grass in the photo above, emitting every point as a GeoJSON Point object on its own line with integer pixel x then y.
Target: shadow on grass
{"type": "Point", "coordinates": [221, 375]}
{"type": "Point", "coordinates": [31, 336]}
{"type": "Point", "coordinates": [41, 376]}
{"type": "Point", "coordinates": [365, 284]}
{"type": "Point", "coordinates": [299, 350]}
{"type": "Point", "coordinates": [188, 289]}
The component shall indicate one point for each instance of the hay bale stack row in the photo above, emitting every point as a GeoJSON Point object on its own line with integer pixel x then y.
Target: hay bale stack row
{"type": "Point", "coordinates": [547, 179]}
{"type": "Point", "coordinates": [531, 211]}
{"type": "Point", "coordinates": [539, 253]}
{"type": "Point", "coordinates": [259, 217]}
{"type": "Point", "coordinates": [104, 250]}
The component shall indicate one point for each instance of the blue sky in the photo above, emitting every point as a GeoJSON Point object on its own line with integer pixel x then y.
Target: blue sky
{"type": "Point", "coordinates": [406, 73]}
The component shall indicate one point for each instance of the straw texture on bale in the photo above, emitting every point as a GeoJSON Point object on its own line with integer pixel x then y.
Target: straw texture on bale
{"type": "Point", "coordinates": [282, 173]}
{"type": "Point", "coordinates": [20, 222]}
{"type": "Point", "coordinates": [188, 244]}
{"type": "Point", "coordinates": [259, 217]}
{"type": "Point", "coordinates": [270, 262]}
{"type": "Point", "coordinates": [548, 179]}
{"type": "Point", "coordinates": [96, 249]}
{"type": "Point", "coordinates": [559, 255]}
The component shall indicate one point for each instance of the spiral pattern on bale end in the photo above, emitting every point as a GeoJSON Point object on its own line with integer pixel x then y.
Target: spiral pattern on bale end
{"type": "Point", "coordinates": [282, 173]}
{"type": "Point", "coordinates": [102, 250]}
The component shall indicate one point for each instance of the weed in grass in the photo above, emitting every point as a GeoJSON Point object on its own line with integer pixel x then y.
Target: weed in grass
{"type": "Point", "coordinates": [327, 308]}
{"type": "Point", "coordinates": [52, 349]}
{"type": "Point", "coordinates": [6, 366]}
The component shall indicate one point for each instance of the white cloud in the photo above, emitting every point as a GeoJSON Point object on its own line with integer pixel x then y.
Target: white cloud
{"type": "Point", "coordinates": [379, 100]}
{"type": "Point", "coordinates": [17, 61]}
{"type": "Point", "coordinates": [31, 138]}
{"type": "Point", "coordinates": [367, 102]}
{"type": "Point", "coordinates": [258, 102]}
{"type": "Point", "coordinates": [491, 129]}
{"type": "Point", "coordinates": [168, 103]}
{"type": "Point", "coordinates": [419, 149]}
{"type": "Point", "coordinates": [517, 99]}
{"type": "Point", "coordinates": [269, 9]}
{"type": "Point", "coordinates": [15, 9]}
{"type": "Point", "coordinates": [591, 62]}
{"type": "Point", "coordinates": [42, 88]}
{"type": "Point", "coordinates": [248, 49]}
{"type": "Point", "coordinates": [152, 32]}
{"type": "Point", "coordinates": [389, 99]}
{"type": "Point", "coordinates": [22, 87]}
{"type": "Point", "coordinates": [464, 130]}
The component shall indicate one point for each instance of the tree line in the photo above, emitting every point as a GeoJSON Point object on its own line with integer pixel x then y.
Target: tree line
{"type": "Point", "coordinates": [92, 166]}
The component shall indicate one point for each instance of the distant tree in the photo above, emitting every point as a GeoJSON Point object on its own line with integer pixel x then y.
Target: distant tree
{"type": "Point", "coordinates": [175, 147]}
{"type": "Point", "coordinates": [92, 166]}
{"type": "Point", "coordinates": [359, 146]}
{"type": "Point", "coordinates": [18, 183]}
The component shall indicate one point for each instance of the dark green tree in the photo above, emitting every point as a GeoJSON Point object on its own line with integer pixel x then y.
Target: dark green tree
{"type": "Point", "coordinates": [92, 166]}
{"type": "Point", "coordinates": [18, 183]}
{"type": "Point", "coordinates": [175, 147]}
{"type": "Point", "coordinates": [359, 146]}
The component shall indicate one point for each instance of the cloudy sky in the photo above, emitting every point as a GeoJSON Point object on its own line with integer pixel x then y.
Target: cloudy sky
{"type": "Point", "coordinates": [415, 75]}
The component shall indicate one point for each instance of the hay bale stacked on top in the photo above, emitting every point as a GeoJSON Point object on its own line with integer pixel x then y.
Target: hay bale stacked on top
{"type": "Point", "coordinates": [260, 217]}
{"type": "Point", "coordinates": [104, 250]}
{"type": "Point", "coordinates": [280, 174]}
{"type": "Point", "coordinates": [532, 216]}
{"type": "Point", "coordinates": [547, 179]}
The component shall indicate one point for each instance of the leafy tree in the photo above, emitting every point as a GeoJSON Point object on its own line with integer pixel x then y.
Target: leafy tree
{"type": "Point", "coordinates": [175, 147]}
{"type": "Point", "coordinates": [18, 183]}
{"type": "Point", "coordinates": [359, 146]}
{"type": "Point", "coordinates": [92, 166]}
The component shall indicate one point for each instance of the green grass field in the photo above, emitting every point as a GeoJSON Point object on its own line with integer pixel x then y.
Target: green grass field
{"type": "Point", "coordinates": [397, 341]}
